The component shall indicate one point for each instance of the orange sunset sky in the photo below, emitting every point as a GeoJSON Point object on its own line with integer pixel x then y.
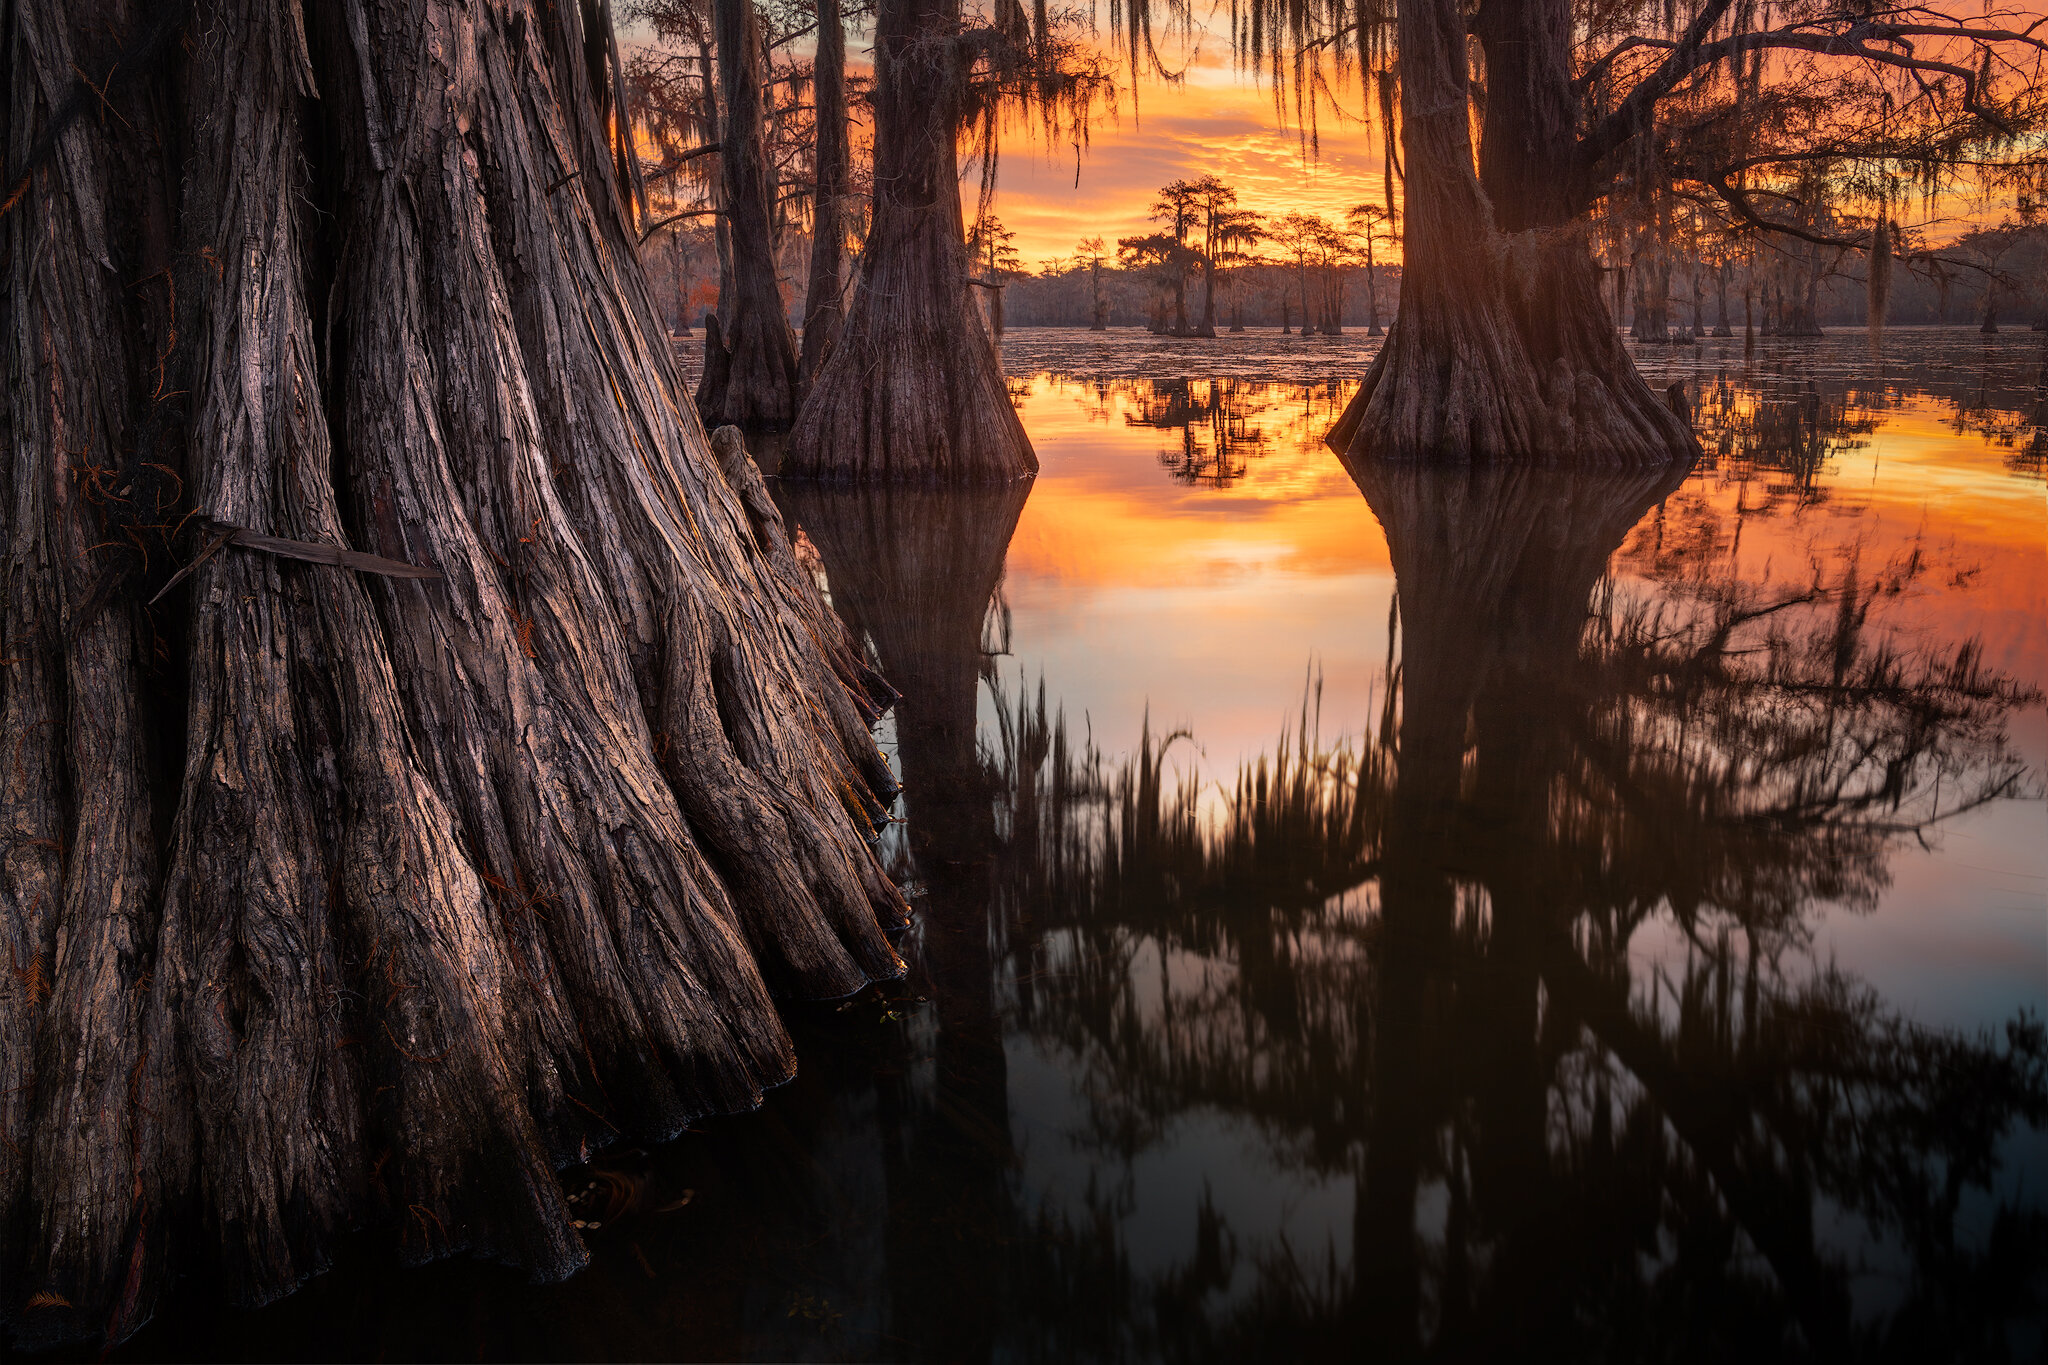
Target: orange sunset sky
{"type": "Point", "coordinates": [1218, 119]}
{"type": "Point", "coordinates": [1215, 120]}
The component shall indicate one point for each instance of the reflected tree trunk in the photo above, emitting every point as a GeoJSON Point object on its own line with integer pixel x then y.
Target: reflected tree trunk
{"type": "Point", "coordinates": [1495, 571]}
{"type": "Point", "coordinates": [914, 571]}
{"type": "Point", "coordinates": [1493, 568]}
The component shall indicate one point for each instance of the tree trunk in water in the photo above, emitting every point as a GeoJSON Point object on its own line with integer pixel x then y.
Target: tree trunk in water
{"type": "Point", "coordinates": [750, 367]}
{"type": "Point", "coordinates": [1721, 327]}
{"type": "Point", "coordinates": [1990, 326]}
{"type": "Point", "coordinates": [914, 390]}
{"type": "Point", "coordinates": [823, 309]}
{"type": "Point", "coordinates": [1800, 304]}
{"type": "Point", "coordinates": [680, 260]}
{"type": "Point", "coordinates": [1653, 299]}
{"type": "Point", "coordinates": [345, 899]}
{"type": "Point", "coordinates": [1502, 347]}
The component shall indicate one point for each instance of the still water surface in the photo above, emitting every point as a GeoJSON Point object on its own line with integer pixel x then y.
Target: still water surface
{"type": "Point", "coordinates": [1402, 915]}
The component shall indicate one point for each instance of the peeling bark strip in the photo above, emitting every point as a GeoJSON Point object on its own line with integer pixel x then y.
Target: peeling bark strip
{"type": "Point", "coordinates": [340, 899]}
{"type": "Point", "coordinates": [320, 554]}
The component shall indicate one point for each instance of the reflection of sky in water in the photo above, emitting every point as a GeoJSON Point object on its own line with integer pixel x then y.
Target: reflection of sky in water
{"type": "Point", "coordinates": [1175, 1155]}
{"type": "Point", "coordinates": [1207, 600]}
{"type": "Point", "coordinates": [1208, 608]}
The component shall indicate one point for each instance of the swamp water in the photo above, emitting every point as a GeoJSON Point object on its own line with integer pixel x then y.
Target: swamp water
{"type": "Point", "coordinates": [1431, 914]}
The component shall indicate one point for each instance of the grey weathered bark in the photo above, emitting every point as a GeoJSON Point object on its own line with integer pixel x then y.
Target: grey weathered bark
{"type": "Point", "coordinates": [750, 365]}
{"type": "Point", "coordinates": [1501, 347]}
{"type": "Point", "coordinates": [337, 900]}
{"type": "Point", "coordinates": [914, 390]}
{"type": "Point", "coordinates": [824, 306]}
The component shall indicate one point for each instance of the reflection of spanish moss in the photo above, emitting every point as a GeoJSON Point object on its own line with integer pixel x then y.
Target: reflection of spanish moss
{"type": "Point", "coordinates": [2026, 439]}
{"type": "Point", "coordinates": [1415, 963]}
{"type": "Point", "coordinates": [2031, 460]}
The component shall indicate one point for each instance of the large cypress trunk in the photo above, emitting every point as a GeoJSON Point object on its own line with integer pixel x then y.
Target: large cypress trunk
{"type": "Point", "coordinates": [913, 391]}
{"type": "Point", "coordinates": [349, 899]}
{"type": "Point", "coordinates": [750, 363]}
{"type": "Point", "coordinates": [1501, 347]}
{"type": "Point", "coordinates": [823, 309]}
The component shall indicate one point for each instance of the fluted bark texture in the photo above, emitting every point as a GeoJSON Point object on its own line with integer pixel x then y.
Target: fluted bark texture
{"type": "Point", "coordinates": [330, 899]}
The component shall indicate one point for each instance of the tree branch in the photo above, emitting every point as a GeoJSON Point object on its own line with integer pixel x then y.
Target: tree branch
{"type": "Point", "coordinates": [1739, 201]}
{"type": "Point", "coordinates": [676, 162]}
{"type": "Point", "coordinates": [1691, 54]}
{"type": "Point", "coordinates": [677, 218]}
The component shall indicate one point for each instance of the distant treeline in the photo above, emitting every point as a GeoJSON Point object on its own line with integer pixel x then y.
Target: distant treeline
{"type": "Point", "coordinates": [1257, 296]}
{"type": "Point", "coordinates": [1267, 294]}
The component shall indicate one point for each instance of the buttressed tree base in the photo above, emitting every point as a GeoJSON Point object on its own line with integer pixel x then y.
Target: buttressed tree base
{"type": "Point", "coordinates": [336, 898]}
{"type": "Point", "coordinates": [913, 391]}
{"type": "Point", "coordinates": [1502, 348]}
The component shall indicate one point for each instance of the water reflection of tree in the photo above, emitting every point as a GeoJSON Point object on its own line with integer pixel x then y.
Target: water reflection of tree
{"type": "Point", "coordinates": [2024, 435]}
{"type": "Point", "coordinates": [913, 571]}
{"type": "Point", "coordinates": [1797, 410]}
{"type": "Point", "coordinates": [1414, 963]}
{"type": "Point", "coordinates": [1779, 436]}
{"type": "Point", "coordinates": [1218, 425]}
